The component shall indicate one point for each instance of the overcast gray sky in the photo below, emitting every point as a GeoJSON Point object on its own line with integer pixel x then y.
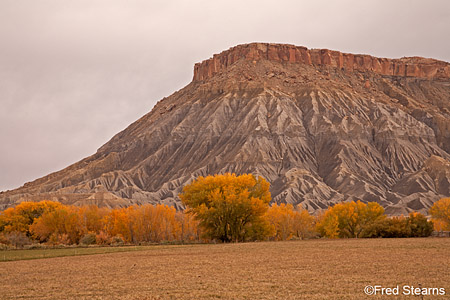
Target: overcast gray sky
{"type": "Point", "coordinates": [74, 73]}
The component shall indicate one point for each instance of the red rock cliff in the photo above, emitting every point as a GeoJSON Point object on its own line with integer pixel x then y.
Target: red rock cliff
{"type": "Point", "coordinates": [408, 66]}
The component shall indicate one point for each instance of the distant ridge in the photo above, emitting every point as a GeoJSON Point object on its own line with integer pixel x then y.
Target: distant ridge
{"type": "Point", "coordinates": [321, 126]}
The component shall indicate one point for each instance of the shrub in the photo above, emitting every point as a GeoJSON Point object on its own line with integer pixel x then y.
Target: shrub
{"type": "Point", "coordinates": [88, 239]}
{"type": "Point", "coordinates": [35, 246]}
{"type": "Point", "coordinates": [102, 238]}
{"type": "Point", "coordinates": [415, 225]}
{"type": "Point", "coordinates": [419, 225]}
{"type": "Point", "coordinates": [58, 239]}
{"type": "Point", "coordinates": [17, 239]}
{"type": "Point", "coordinates": [117, 240]}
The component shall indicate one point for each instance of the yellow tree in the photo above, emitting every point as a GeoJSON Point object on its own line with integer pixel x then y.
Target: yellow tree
{"type": "Point", "coordinates": [91, 218]}
{"type": "Point", "coordinates": [188, 229]}
{"type": "Point", "coordinates": [21, 217]}
{"type": "Point", "coordinates": [117, 223]}
{"type": "Point", "coordinates": [350, 219]}
{"type": "Point", "coordinates": [303, 223]}
{"type": "Point", "coordinates": [140, 218]}
{"type": "Point", "coordinates": [153, 223]}
{"type": "Point", "coordinates": [440, 212]}
{"type": "Point", "coordinates": [281, 219]}
{"type": "Point", "coordinates": [327, 224]}
{"type": "Point", "coordinates": [229, 207]}
{"type": "Point", "coordinates": [170, 226]}
{"type": "Point", "coordinates": [62, 221]}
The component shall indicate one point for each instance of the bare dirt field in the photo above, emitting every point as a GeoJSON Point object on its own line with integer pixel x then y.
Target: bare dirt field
{"type": "Point", "coordinates": [314, 269]}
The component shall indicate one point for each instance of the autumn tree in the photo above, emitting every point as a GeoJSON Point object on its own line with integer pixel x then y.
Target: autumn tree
{"type": "Point", "coordinates": [61, 224]}
{"type": "Point", "coordinates": [350, 219]}
{"type": "Point", "coordinates": [188, 227]}
{"type": "Point", "coordinates": [55, 223]}
{"type": "Point", "coordinates": [116, 223]}
{"type": "Point", "coordinates": [16, 239]}
{"type": "Point", "coordinates": [147, 224]}
{"type": "Point", "coordinates": [303, 223]}
{"type": "Point", "coordinates": [287, 223]}
{"type": "Point", "coordinates": [91, 218]}
{"type": "Point", "coordinates": [229, 207]}
{"type": "Point", "coordinates": [440, 211]}
{"type": "Point", "coordinates": [21, 217]}
{"type": "Point", "coordinates": [281, 220]}
{"type": "Point", "coordinates": [151, 223]}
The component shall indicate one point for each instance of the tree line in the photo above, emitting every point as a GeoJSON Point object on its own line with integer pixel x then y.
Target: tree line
{"type": "Point", "coordinates": [225, 208]}
{"type": "Point", "coordinates": [54, 223]}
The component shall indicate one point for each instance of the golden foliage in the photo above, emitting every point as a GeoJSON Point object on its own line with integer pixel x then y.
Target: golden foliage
{"type": "Point", "coordinates": [20, 218]}
{"type": "Point", "coordinates": [350, 219]}
{"type": "Point", "coordinates": [224, 207]}
{"type": "Point", "coordinates": [229, 207]}
{"type": "Point", "coordinates": [287, 223]}
{"type": "Point", "coordinates": [64, 222]}
{"type": "Point", "coordinates": [440, 212]}
{"type": "Point", "coordinates": [55, 223]}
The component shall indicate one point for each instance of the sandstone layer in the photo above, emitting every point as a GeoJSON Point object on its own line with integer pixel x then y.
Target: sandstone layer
{"type": "Point", "coordinates": [321, 126]}
{"type": "Point", "coordinates": [406, 67]}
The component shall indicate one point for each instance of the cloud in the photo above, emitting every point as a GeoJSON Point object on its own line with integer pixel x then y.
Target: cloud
{"type": "Point", "coordinates": [74, 73]}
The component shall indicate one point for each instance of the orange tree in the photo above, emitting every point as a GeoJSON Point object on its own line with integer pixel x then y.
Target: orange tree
{"type": "Point", "coordinates": [61, 223]}
{"type": "Point", "coordinates": [440, 212]}
{"type": "Point", "coordinates": [350, 219]}
{"type": "Point", "coordinates": [287, 223]}
{"type": "Point", "coordinates": [229, 207]}
{"type": "Point", "coordinates": [281, 220]}
{"type": "Point", "coordinates": [21, 217]}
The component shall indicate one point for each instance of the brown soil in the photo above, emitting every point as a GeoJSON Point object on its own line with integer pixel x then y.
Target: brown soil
{"type": "Point", "coordinates": [315, 269]}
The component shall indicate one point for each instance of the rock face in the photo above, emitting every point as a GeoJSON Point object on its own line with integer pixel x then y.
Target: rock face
{"type": "Point", "coordinates": [321, 126]}
{"type": "Point", "coordinates": [405, 67]}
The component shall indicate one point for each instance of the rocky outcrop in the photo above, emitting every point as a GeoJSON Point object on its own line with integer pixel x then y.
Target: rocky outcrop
{"type": "Point", "coordinates": [321, 126]}
{"type": "Point", "coordinates": [408, 67]}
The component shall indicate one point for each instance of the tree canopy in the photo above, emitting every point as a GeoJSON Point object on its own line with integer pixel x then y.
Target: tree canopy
{"type": "Point", "coordinates": [229, 207]}
{"type": "Point", "coordinates": [440, 211]}
{"type": "Point", "coordinates": [350, 219]}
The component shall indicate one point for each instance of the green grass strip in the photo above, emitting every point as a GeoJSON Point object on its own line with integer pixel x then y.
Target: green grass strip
{"type": "Point", "coordinates": [13, 255]}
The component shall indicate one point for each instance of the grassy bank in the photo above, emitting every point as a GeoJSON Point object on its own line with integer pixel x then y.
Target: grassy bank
{"type": "Point", "coordinates": [13, 255]}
